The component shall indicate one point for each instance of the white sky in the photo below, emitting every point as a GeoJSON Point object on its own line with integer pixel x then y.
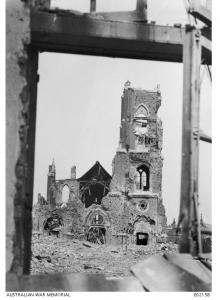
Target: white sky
{"type": "Point", "coordinates": [79, 103]}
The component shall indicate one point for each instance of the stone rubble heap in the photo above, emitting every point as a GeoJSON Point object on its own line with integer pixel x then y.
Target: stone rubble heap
{"type": "Point", "coordinates": [51, 255]}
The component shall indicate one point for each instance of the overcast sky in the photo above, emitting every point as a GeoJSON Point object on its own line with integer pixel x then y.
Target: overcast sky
{"type": "Point", "coordinates": [79, 102]}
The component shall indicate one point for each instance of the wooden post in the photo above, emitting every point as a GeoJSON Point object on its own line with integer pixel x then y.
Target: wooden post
{"type": "Point", "coordinates": [189, 240]}
{"type": "Point", "coordinates": [33, 78]}
{"type": "Point", "coordinates": [92, 5]}
{"type": "Point", "coordinates": [141, 9]}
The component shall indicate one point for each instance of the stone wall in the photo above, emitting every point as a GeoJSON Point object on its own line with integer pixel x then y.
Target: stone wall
{"type": "Point", "coordinates": [17, 103]}
{"type": "Point", "coordinates": [72, 214]}
{"type": "Point", "coordinates": [73, 186]}
{"type": "Point", "coordinates": [120, 171]}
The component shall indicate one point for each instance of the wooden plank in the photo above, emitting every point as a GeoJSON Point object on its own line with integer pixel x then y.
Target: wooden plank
{"type": "Point", "coordinates": [206, 43]}
{"type": "Point", "coordinates": [157, 274]}
{"type": "Point", "coordinates": [190, 265]}
{"type": "Point", "coordinates": [83, 34]}
{"type": "Point", "coordinates": [203, 137]}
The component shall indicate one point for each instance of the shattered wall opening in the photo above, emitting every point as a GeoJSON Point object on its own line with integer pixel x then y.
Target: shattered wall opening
{"type": "Point", "coordinates": [53, 224]}
{"type": "Point", "coordinates": [142, 238]}
{"type": "Point", "coordinates": [96, 235]}
{"type": "Point", "coordinates": [93, 193]}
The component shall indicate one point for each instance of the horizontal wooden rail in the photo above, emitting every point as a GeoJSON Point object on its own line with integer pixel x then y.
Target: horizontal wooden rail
{"type": "Point", "coordinates": [66, 32]}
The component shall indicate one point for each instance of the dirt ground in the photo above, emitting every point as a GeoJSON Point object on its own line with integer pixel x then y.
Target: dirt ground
{"type": "Point", "coordinates": [52, 254]}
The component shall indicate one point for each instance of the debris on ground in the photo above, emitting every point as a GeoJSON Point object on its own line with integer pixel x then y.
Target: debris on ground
{"type": "Point", "coordinates": [87, 245]}
{"type": "Point", "coordinates": [52, 255]}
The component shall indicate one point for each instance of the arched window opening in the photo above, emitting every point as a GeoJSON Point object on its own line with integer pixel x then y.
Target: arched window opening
{"type": "Point", "coordinates": [137, 180]}
{"type": "Point", "coordinates": [65, 194]}
{"type": "Point", "coordinates": [142, 178]}
{"type": "Point", "coordinates": [98, 220]}
{"type": "Point", "coordinates": [141, 112]}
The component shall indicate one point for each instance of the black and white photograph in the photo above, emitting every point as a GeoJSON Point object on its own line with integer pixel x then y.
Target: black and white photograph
{"type": "Point", "coordinates": [108, 147]}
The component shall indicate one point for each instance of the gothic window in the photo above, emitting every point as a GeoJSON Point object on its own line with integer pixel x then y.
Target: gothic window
{"type": "Point", "coordinates": [142, 112]}
{"type": "Point", "coordinates": [98, 220]}
{"type": "Point", "coordinates": [142, 178]}
{"type": "Point", "coordinates": [65, 194]}
{"type": "Point", "coordinates": [137, 180]}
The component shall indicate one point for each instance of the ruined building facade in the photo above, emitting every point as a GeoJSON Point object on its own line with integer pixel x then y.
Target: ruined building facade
{"type": "Point", "coordinates": [128, 203]}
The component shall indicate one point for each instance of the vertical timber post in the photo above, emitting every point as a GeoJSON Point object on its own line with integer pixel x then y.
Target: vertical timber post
{"type": "Point", "coordinates": [92, 6]}
{"type": "Point", "coordinates": [33, 78]}
{"type": "Point", "coordinates": [141, 9]}
{"type": "Point", "coordinates": [190, 241]}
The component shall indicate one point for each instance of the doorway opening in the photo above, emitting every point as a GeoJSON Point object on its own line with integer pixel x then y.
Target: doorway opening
{"type": "Point", "coordinates": [142, 238]}
{"type": "Point", "coordinates": [96, 235]}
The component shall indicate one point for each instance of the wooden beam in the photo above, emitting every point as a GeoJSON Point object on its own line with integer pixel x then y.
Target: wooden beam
{"type": "Point", "coordinates": [66, 32]}
{"type": "Point", "coordinates": [190, 146]}
{"type": "Point", "coordinates": [203, 137]}
{"type": "Point", "coordinates": [201, 12]}
{"type": "Point", "coordinates": [33, 78]}
{"type": "Point", "coordinates": [92, 5]}
{"type": "Point", "coordinates": [121, 16]}
{"type": "Point", "coordinates": [141, 9]}
{"type": "Point", "coordinates": [207, 44]}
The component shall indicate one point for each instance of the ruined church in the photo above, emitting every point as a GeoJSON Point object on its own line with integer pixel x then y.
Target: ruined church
{"type": "Point", "coordinates": [103, 207]}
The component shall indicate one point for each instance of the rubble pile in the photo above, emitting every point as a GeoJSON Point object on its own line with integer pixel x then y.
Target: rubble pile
{"type": "Point", "coordinates": [51, 254]}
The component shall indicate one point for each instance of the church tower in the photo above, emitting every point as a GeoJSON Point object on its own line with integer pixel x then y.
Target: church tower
{"type": "Point", "coordinates": [51, 185]}
{"type": "Point", "coordinates": [137, 166]}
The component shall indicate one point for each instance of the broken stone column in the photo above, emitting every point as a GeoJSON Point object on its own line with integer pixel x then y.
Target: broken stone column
{"type": "Point", "coordinates": [73, 172]}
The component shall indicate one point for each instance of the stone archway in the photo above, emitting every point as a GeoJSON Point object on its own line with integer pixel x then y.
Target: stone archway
{"type": "Point", "coordinates": [96, 226]}
{"type": "Point", "coordinates": [53, 224]}
{"type": "Point", "coordinates": [144, 227]}
{"type": "Point", "coordinates": [66, 191]}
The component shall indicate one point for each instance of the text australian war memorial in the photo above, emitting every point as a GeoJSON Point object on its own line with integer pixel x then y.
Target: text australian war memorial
{"type": "Point", "coordinates": [103, 207]}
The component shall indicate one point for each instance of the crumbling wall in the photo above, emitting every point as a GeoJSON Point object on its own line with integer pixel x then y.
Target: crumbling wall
{"type": "Point", "coordinates": [72, 214]}
{"type": "Point", "coordinates": [162, 219]}
{"type": "Point", "coordinates": [156, 174]}
{"type": "Point", "coordinates": [40, 214]}
{"type": "Point", "coordinates": [73, 186]}
{"type": "Point", "coordinates": [113, 203]}
{"type": "Point", "coordinates": [17, 103]}
{"type": "Point", "coordinates": [120, 172]}
{"type": "Point", "coordinates": [73, 218]}
{"type": "Point", "coordinates": [127, 215]}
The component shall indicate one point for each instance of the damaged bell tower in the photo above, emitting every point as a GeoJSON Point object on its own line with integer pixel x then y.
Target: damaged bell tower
{"type": "Point", "coordinates": [137, 166]}
{"type": "Point", "coordinates": [106, 208]}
